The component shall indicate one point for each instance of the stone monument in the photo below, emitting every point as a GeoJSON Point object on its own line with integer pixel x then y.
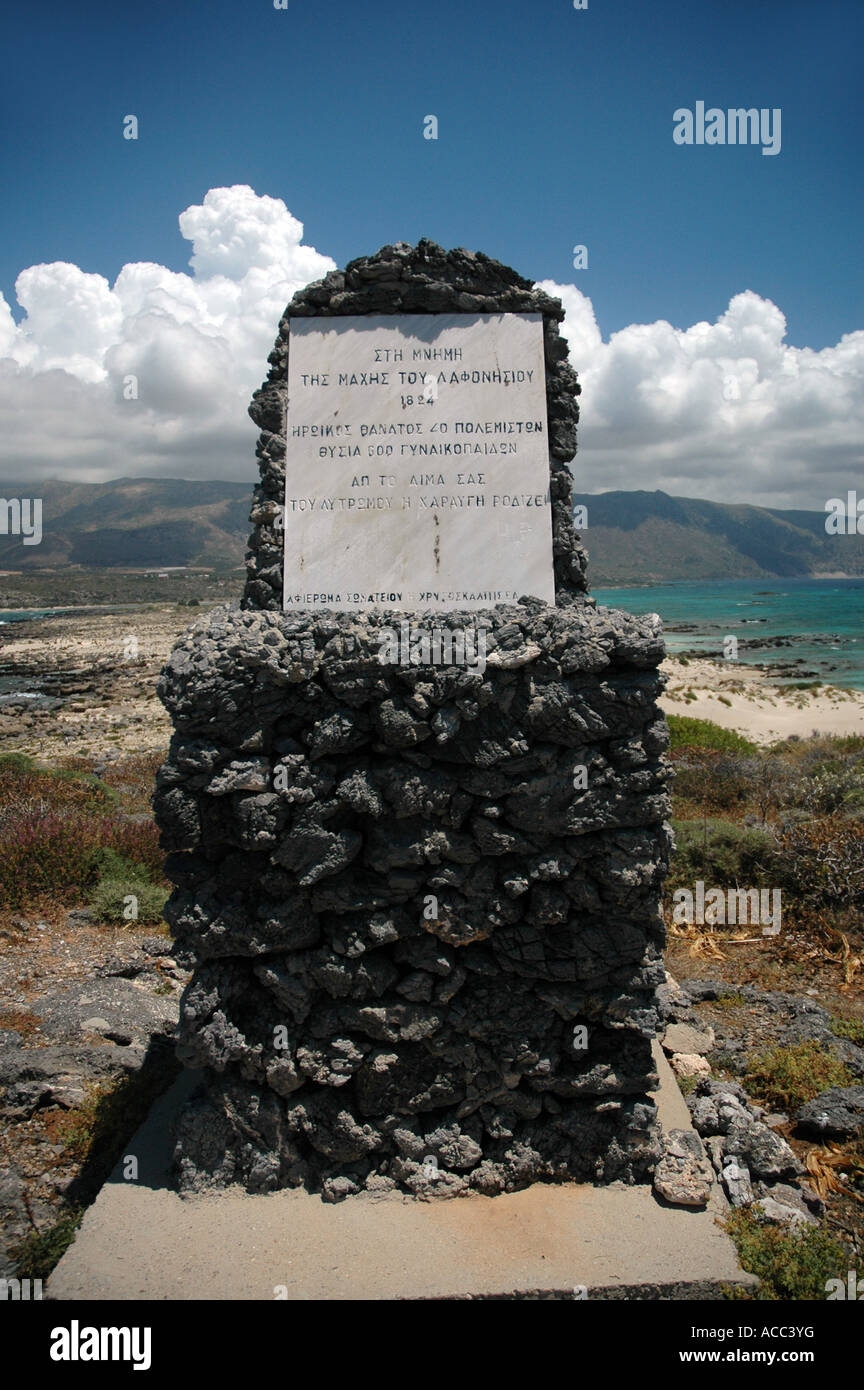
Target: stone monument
{"type": "Point", "coordinates": [415, 799]}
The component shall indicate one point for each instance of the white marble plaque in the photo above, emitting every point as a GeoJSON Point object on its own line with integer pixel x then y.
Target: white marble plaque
{"type": "Point", "coordinates": [417, 466]}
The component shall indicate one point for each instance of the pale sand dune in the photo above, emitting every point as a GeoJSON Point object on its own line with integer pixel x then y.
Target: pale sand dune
{"type": "Point", "coordinates": [756, 707]}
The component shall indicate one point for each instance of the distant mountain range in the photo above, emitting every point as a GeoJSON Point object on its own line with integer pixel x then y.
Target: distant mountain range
{"type": "Point", "coordinates": [644, 537]}
{"type": "Point", "coordinates": [133, 523]}
{"type": "Point", "coordinates": [632, 537]}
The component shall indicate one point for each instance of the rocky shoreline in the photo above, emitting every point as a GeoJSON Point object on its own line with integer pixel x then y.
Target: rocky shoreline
{"type": "Point", "coordinates": [83, 683]}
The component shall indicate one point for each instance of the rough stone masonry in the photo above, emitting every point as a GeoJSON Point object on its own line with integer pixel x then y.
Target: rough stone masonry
{"type": "Point", "coordinates": [422, 899]}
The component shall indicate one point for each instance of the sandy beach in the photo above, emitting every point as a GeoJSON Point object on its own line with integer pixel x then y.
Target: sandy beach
{"type": "Point", "coordinates": [748, 700]}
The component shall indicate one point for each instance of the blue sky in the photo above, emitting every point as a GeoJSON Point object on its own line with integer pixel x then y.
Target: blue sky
{"type": "Point", "coordinates": [555, 129]}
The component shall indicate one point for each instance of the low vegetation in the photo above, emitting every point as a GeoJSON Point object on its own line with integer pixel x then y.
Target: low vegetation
{"type": "Point", "coordinates": [784, 1078]}
{"type": "Point", "coordinates": [789, 1264]}
{"type": "Point", "coordinates": [722, 852]}
{"type": "Point", "coordinates": [38, 1254]}
{"type": "Point", "coordinates": [790, 817]}
{"type": "Point", "coordinates": [701, 733]}
{"type": "Point", "coordinates": [126, 891]}
{"type": "Point", "coordinates": [851, 1028]}
{"type": "Point", "coordinates": [734, 1000]}
{"type": "Point", "coordinates": [58, 826]}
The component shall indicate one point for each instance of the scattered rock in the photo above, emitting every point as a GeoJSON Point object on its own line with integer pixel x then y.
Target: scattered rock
{"type": "Point", "coordinates": [379, 1184]}
{"type": "Point", "coordinates": [714, 1149]}
{"type": "Point", "coordinates": [337, 1189]}
{"type": "Point", "coordinates": [95, 1025]}
{"type": "Point", "coordinates": [683, 1175]}
{"type": "Point", "coordinates": [80, 916]}
{"type": "Point", "coordinates": [736, 1181]}
{"type": "Point", "coordinates": [672, 1002]}
{"type": "Point", "coordinates": [723, 1090]}
{"type": "Point", "coordinates": [156, 946]}
{"type": "Point", "coordinates": [690, 1064]}
{"type": "Point", "coordinates": [813, 1200]}
{"type": "Point", "coordinates": [11, 1188]}
{"type": "Point", "coordinates": [698, 991]}
{"type": "Point", "coordinates": [780, 1214]}
{"type": "Point", "coordinates": [123, 967]}
{"type": "Point", "coordinates": [703, 1113]}
{"type": "Point", "coordinates": [838, 1113]}
{"type": "Point", "coordinates": [764, 1152]}
{"type": "Point", "coordinates": [107, 1031]}
{"type": "Point", "coordinates": [803, 1198]}
{"type": "Point", "coordinates": [684, 1038]}
{"type": "Point", "coordinates": [121, 1008]}
{"type": "Point", "coordinates": [37, 1077]}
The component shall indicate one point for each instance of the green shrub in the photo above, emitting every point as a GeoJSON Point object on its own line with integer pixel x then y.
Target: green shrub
{"type": "Point", "coordinates": [17, 763]}
{"type": "Point", "coordinates": [56, 827]}
{"type": "Point", "coordinates": [26, 785]}
{"type": "Point", "coordinates": [37, 1254]}
{"type": "Point", "coordinates": [733, 1000]}
{"type": "Point", "coordinates": [722, 854]}
{"type": "Point", "coordinates": [688, 732]}
{"type": "Point", "coordinates": [109, 900]}
{"type": "Point", "coordinates": [131, 779]}
{"type": "Point", "coordinates": [58, 855]}
{"type": "Point", "coordinates": [852, 1028]}
{"type": "Point", "coordinates": [110, 863]}
{"type": "Point", "coordinates": [828, 791]}
{"type": "Point", "coordinates": [822, 863]}
{"type": "Point", "coordinates": [706, 778]}
{"type": "Point", "coordinates": [790, 1264]}
{"type": "Point", "coordinates": [785, 1077]}
{"type": "Point", "coordinates": [846, 743]}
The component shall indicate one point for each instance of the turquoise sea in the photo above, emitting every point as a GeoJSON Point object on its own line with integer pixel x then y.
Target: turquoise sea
{"type": "Point", "coordinates": [24, 615]}
{"type": "Point", "coordinates": [21, 615]}
{"type": "Point", "coordinates": [813, 626]}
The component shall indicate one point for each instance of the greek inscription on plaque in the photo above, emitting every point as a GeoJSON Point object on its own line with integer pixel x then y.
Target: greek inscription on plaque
{"type": "Point", "coordinates": [417, 467]}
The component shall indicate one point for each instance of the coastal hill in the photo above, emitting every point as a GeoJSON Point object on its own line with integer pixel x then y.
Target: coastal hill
{"type": "Point", "coordinates": [632, 537]}
{"type": "Point", "coordinates": [650, 537]}
{"type": "Point", "coordinates": [132, 523]}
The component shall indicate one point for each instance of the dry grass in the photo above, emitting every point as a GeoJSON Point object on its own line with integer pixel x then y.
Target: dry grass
{"type": "Point", "coordinates": [827, 1162]}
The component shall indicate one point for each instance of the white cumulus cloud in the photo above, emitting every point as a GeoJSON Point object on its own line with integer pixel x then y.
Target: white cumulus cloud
{"type": "Point", "coordinates": [196, 344]}
{"type": "Point", "coordinates": [727, 410]}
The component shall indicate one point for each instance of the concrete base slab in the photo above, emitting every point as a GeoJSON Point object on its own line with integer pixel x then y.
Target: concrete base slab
{"type": "Point", "coordinates": [141, 1240]}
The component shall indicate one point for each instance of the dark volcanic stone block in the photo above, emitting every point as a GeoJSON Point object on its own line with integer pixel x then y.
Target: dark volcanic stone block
{"type": "Point", "coordinates": [427, 953]}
